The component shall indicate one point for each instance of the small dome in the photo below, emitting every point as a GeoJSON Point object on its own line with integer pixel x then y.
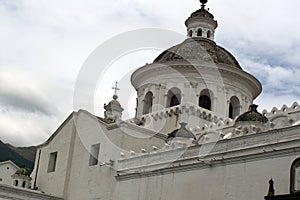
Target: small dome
{"type": "Point", "coordinates": [252, 115]}
{"type": "Point", "coordinates": [22, 171]}
{"type": "Point", "coordinates": [203, 13]}
{"type": "Point", "coordinates": [113, 103]}
{"type": "Point", "coordinates": [182, 132]}
{"type": "Point", "coordinates": [200, 49]}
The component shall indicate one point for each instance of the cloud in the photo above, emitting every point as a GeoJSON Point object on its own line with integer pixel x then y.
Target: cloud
{"type": "Point", "coordinates": [279, 83]}
{"type": "Point", "coordinates": [29, 108]}
{"type": "Point", "coordinates": [18, 95]}
{"type": "Point", "coordinates": [24, 129]}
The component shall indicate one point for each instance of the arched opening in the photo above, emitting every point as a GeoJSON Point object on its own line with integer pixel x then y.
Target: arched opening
{"type": "Point", "coordinates": [295, 176]}
{"type": "Point", "coordinates": [234, 107]}
{"type": "Point", "coordinates": [174, 97]}
{"type": "Point", "coordinates": [205, 99]}
{"type": "Point", "coordinates": [190, 33]}
{"type": "Point", "coordinates": [16, 182]}
{"type": "Point", "coordinates": [208, 34]}
{"type": "Point", "coordinates": [199, 32]}
{"type": "Point", "coordinates": [23, 184]}
{"type": "Point", "coordinates": [148, 102]}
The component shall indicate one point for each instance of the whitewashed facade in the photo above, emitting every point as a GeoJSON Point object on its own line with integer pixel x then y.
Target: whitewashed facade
{"type": "Point", "coordinates": [7, 169]}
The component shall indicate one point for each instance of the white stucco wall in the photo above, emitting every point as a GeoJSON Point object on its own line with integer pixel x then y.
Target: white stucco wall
{"type": "Point", "coordinates": [7, 169]}
{"type": "Point", "coordinates": [53, 183]}
{"type": "Point", "coordinates": [246, 180]}
{"type": "Point", "coordinates": [73, 177]}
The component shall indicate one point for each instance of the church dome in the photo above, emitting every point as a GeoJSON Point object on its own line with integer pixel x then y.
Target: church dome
{"type": "Point", "coordinates": [200, 49]}
{"type": "Point", "coordinates": [196, 71]}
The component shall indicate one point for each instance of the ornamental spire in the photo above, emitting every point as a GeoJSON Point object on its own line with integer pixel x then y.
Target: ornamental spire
{"type": "Point", "coordinates": [203, 3]}
{"type": "Point", "coordinates": [115, 97]}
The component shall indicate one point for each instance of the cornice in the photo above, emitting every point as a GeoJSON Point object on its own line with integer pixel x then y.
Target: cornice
{"type": "Point", "coordinates": [199, 164]}
{"type": "Point", "coordinates": [9, 190]}
{"type": "Point", "coordinates": [140, 76]}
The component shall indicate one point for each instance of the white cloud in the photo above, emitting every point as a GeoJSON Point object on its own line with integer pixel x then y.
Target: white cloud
{"type": "Point", "coordinates": [24, 97]}
{"type": "Point", "coordinates": [22, 129]}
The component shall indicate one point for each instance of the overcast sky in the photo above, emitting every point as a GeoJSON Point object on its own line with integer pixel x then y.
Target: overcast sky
{"type": "Point", "coordinates": [43, 44]}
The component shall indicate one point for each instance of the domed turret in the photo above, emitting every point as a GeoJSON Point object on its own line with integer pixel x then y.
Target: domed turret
{"type": "Point", "coordinates": [113, 111]}
{"type": "Point", "coordinates": [252, 116]}
{"type": "Point", "coordinates": [181, 137]}
{"type": "Point", "coordinates": [201, 23]}
{"type": "Point", "coordinates": [182, 132]}
{"type": "Point", "coordinates": [21, 178]}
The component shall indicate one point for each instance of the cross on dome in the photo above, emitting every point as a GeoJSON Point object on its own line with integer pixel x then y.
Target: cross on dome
{"type": "Point", "coordinates": [116, 88]}
{"type": "Point", "coordinates": [116, 91]}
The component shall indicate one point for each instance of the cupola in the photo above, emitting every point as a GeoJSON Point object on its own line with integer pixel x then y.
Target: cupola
{"type": "Point", "coordinates": [201, 23]}
{"type": "Point", "coordinates": [182, 132]}
{"type": "Point", "coordinates": [181, 138]}
{"type": "Point", "coordinates": [252, 116]}
{"type": "Point", "coordinates": [113, 111]}
{"type": "Point", "coordinates": [21, 178]}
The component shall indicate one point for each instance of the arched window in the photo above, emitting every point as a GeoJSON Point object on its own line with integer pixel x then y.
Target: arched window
{"type": "Point", "coordinates": [199, 32]}
{"type": "Point", "coordinates": [205, 99]}
{"type": "Point", "coordinates": [208, 34]}
{"type": "Point", "coordinates": [174, 97]}
{"type": "Point", "coordinates": [191, 33]}
{"type": "Point", "coordinates": [295, 176]}
{"type": "Point", "coordinates": [23, 184]}
{"type": "Point", "coordinates": [234, 107]}
{"type": "Point", "coordinates": [16, 183]}
{"type": "Point", "coordinates": [148, 102]}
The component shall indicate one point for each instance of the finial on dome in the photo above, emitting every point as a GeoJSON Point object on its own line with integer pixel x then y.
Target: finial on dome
{"type": "Point", "coordinates": [203, 1]}
{"type": "Point", "coordinates": [115, 97]}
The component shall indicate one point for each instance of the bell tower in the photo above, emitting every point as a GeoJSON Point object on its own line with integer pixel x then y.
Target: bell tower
{"type": "Point", "coordinates": [201, 23]}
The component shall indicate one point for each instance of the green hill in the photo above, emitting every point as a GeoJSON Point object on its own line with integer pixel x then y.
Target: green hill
{"type": "Point", "coordinates": [22, 156]}
{"type": "Point", "coordinates": [26, 152]}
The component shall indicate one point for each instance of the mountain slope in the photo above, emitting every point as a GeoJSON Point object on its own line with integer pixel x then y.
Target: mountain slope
{"type": "Point", "coordinates": [6, 153]}
{"type": "Point", "coordinates": [26, 152]}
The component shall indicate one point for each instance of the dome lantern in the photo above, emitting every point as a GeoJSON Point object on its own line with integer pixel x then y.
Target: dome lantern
{"type": "Point", "coordinates": [252, 116]}
{"type": "Point", "coordinates": [113, 111]}
{"type": "Point", "coordinates": [201, 23]}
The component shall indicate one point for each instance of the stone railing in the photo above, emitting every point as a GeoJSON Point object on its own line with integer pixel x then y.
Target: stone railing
{"type": "Point", "coordinates": [252, 147]}
{"type": "Point", "coordinates": [218, 129]}
{"type": "Point", "coordinates": [284, 110]}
